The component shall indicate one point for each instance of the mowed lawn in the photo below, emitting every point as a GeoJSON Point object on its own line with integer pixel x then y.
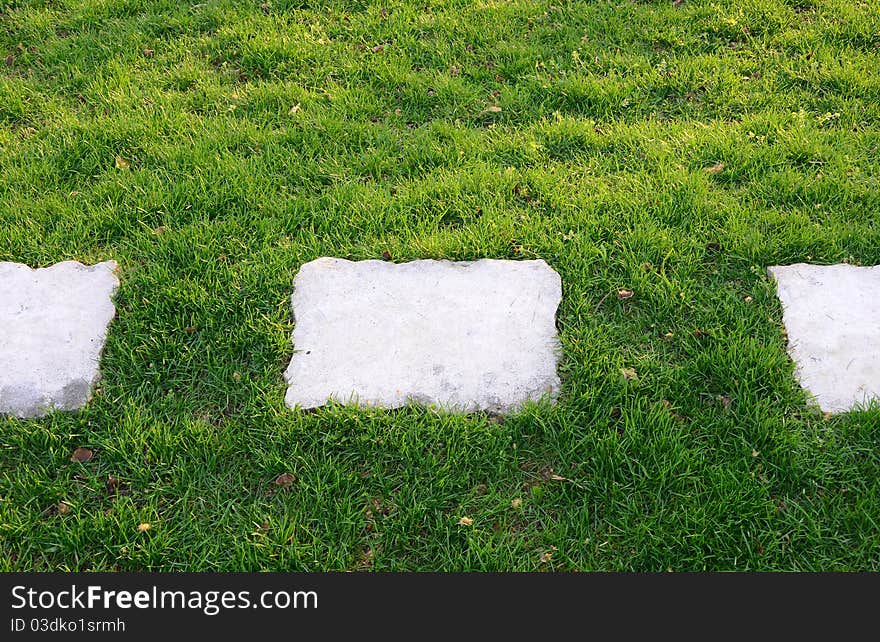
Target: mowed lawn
{"type": "Point", "coordinates": [671, 149]}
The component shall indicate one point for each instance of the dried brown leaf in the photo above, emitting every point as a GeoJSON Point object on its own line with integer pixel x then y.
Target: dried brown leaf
{"type": "Point", "coordinates": [116, 486]}
{"type": "Point", "coordinates": [82, 455]}
{"type": "Point", "coordinates": [285, 480]}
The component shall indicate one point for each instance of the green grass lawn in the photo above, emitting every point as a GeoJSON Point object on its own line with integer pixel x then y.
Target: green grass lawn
{"type": "Point", "coordinates": [212, 148]}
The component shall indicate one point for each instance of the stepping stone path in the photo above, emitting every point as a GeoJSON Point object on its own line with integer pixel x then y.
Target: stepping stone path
{"type": "Point", "coordinates": [53, 323]}
{"type": "Point", "coordinates": [464, 336]}
{"type": "Point", "coordinates": [832, 316]}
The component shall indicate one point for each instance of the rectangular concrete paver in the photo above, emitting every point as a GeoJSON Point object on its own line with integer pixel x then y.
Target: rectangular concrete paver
{"type": "Point", "coordinates": [465, 336]}
{"type": "Point", "coordinates": [53, 322]}
{"type": "Point", "coordinates": [832, 316]}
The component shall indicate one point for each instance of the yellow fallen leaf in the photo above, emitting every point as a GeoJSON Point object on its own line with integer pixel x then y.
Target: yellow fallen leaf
{"type": "Point", "coordinates": [717, 168]}
{"type": "Point", "coordinates": [121, 163]}
{"type": "Point", "coordinates": [516, 503]}
{"type": "Point", "coordinates": [465, 521]}
{"type": "Point", "coordinates": [144, 527]}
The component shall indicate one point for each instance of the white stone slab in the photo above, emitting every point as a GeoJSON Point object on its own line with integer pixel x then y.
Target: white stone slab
{"type": "Point", "coordinates": [832, 316]}
{"type": "Point", "coordinates": [465, 336]}
{"type": "Point", "coordinates": [53, 322]}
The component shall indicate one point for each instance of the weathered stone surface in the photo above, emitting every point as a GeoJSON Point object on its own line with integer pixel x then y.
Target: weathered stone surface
{"type": "Point", "coordinates": [53, 322]}
{"type": "Point", "coordinates": [464, 336]}
{"type": "Point", "coordinates": [832, 316]}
